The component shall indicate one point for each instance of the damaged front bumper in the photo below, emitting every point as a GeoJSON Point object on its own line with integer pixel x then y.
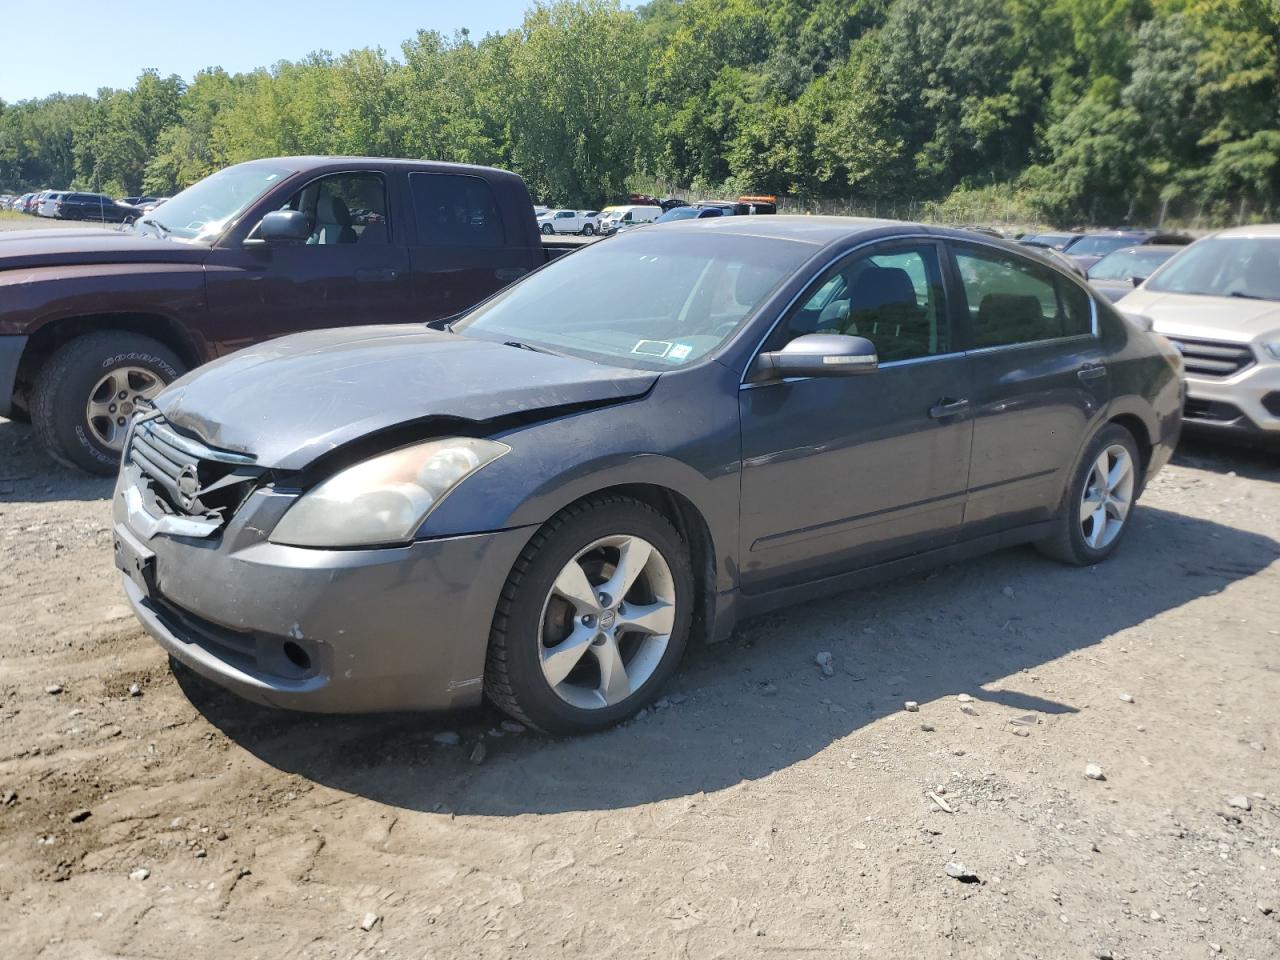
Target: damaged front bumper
{"type": "Point", "coordinates": [341, 631]}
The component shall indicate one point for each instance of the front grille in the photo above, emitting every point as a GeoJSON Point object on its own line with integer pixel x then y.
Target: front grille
{"type": "Point", "coordinates": [1213, 358]}
{"type": "Point", "coordinates": [187, 476]}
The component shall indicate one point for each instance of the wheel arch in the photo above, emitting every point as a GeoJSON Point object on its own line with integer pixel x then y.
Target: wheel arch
{"type": "Point", "coordinates": [48, 337]}
{"type": "Point", "coordinates": [693, 528]}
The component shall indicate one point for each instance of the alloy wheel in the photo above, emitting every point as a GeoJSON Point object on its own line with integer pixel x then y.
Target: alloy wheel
{"type": "Point", "coordinates": [607, 622]}
{"type": "Point", "coordinates": [1107, 497]}
{"type": "Point", "coordinates": [114, 399]}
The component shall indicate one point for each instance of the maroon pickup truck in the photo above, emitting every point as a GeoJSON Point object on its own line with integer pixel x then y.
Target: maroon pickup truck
{"type": "Point", "coordinates": [92, 322]}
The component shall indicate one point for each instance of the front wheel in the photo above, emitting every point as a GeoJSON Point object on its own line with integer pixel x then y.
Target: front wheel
{"type": "Point", "coordinates": [593, 618]}
{"type": "Point", "coordinates": [1099, 501]}
{"type": "Point", "coordinates": [89, 388]}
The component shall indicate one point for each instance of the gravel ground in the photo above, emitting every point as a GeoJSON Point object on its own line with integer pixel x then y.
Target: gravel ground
{"type": "Point", "coordinates": [764, 810]}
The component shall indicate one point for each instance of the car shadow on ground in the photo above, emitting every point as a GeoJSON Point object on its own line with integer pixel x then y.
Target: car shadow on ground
{"type": "Point", "coordinates": [29, 475]}
{"type": "Point", "coordinates": [755, 705]}
{"type": "Point", "coordinates": [1251, 458]}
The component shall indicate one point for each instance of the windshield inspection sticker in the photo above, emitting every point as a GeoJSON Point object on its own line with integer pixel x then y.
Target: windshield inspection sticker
{"type": "Point", "coordinates": [679, 351]}
{"type": "Point", "coordinates": [652, 348]}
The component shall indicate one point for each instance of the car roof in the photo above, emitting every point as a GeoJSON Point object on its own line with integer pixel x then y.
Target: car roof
{"type": "Point", "coordinates": [823, 230]}
{"type": "Point", "coordinates": [1257, 230]}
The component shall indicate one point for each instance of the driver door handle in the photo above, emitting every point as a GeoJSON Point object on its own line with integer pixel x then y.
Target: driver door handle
{"type": "Point", "coordinates": [946, 407]}
{"type": "Point", "coordinates": [1091, 371]}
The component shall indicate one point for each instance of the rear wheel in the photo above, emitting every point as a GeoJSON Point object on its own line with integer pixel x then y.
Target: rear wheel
{"type": "Point", "coordinates": [87, 391]}
{"type": "Point", "coordinates": [1099, 501]}
{"type": "Point", "coordinates": [588, 230]}
{"type": "Point", "coordinates": [593, 619]}
{"type": "Point", "coordinates": [547, 229]}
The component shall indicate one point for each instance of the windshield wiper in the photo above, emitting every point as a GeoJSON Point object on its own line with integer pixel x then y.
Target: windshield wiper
{"type": "Point", "coordinates": [528, 346]}
{"type": "Point", "coordinates": [1246, 296]}
{"type": "Point", "coordinates": [152, 222]}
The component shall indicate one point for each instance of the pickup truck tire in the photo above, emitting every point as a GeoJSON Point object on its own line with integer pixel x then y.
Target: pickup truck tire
{"type": "Point", "coordinates": [78, 377]}
{"type": "Point", "coordinates": [588, 230]}
{"type": "Point", "coordinates": [547, 229]}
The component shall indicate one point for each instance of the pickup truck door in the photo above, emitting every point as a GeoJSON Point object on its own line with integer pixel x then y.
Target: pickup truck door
{"type": "Point", "coordinates": [353, 269]}
{"type": "Point", "coordinates": [462, 249]}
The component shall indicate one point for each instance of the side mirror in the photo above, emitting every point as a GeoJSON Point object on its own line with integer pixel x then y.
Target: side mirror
{"type": "Point", "coordinates": [818, 355]}
{"type": "Point", "coordinates": [1137, 281]}
{"type": "Point", "coordinates": [285, 226]}
{"type": "Point", "coordinates": [1140, 320]}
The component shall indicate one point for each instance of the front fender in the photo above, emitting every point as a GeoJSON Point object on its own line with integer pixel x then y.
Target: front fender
{"type": "Point", "coordinates": [31, 299]}
{"type": "Point", "coordinates": [683, 437]}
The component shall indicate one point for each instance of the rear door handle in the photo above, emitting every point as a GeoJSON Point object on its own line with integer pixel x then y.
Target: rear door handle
{"type": "Point", "coordinates": [948, 408]}
{"type": "Point", "coordinates": [1091, 371]}
{"type": "Point", "coordinates": [376, 275]}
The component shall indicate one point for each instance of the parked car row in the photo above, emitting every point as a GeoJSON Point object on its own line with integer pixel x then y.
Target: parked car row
{"type": "Point", "coordinates": [79, 205]}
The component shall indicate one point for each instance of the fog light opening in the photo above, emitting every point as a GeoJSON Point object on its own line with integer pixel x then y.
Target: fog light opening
{"type": "Point", "coordinates": [297, 656]}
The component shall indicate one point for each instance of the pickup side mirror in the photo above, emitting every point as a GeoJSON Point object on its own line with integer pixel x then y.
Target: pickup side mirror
{"type": "Point", "coordinates": [285, 227]}
{"type": "Point", "coordinates": [1140, 320]}
{"type": "Point", "coordinates": [818, 355]}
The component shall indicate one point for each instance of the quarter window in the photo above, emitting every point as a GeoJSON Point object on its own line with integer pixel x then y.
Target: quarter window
{"type": "Point", "coordinates": [455, 209]}
{"type": "Point", "coordinates": [894, 299]}
{"type": "Point", "coordinates": [1012, 301]}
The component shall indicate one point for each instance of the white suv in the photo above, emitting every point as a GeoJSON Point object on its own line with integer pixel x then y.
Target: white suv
{"type": "Point", "coordinates": [1218, 301]}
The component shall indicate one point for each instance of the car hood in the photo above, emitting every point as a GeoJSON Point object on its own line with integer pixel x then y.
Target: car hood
{"type": "Point", "coordinates": [1213, 318]}
{"type": "Point", "coordinates": [289, 401]}
{"type": "Point", "coordinates": [26, 249]}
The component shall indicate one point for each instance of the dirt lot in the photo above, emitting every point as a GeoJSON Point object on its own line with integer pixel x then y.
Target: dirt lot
{"type": "Point", "coordinates": [765, 811]}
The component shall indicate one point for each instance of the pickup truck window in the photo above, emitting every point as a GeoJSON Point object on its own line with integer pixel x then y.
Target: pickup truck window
{"type": "Point", "coordinates": [455, 209]}
{"type": "Point", "coordinates": [345, 208]}
{"type": "Point", "coordinates": [202, 211]}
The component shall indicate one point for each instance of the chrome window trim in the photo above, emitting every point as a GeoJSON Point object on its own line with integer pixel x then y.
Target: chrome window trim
{"type": "Point", "coordinates": [1093, 307]}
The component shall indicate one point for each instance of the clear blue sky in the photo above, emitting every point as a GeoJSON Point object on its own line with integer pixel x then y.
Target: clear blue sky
{"type": "Point", "coordinates": [77, 46]}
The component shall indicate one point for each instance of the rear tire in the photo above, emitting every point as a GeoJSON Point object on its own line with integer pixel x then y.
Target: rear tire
{"type": "Point", "coordinates": [1098, 504]}
{"type": "Point", "coordinates": [547, 230]}
{"type": "Point", "coordinates": [535, 617]}
{"type": "Point", "coordinates": [588, 230]}
{"type": "Point", "coordinates": [66, 385]}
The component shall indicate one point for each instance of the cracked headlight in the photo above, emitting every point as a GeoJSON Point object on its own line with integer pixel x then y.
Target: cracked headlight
{"type": "Point", "coordinates": [385, 499]}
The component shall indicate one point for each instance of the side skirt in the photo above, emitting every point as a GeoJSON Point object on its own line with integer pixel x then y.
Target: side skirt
{"type": "Point", "coordinates": [738, 606]}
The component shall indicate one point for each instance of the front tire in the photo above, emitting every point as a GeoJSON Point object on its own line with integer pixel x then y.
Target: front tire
{"type": "Point", "coordinates": [1099, 501]}
{"type": "Point", "coordinates": [89, 388]}
{"type": "Point", "coordinates": [593, 618]}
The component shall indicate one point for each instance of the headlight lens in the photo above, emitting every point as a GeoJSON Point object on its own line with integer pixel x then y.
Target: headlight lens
{"type": "Point", "coordinates": [385, 499]}
{"type": "Point", "coordinates": [1273, 348]}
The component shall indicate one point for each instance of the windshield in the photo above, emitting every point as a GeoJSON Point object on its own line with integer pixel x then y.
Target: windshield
{"type": "Point", "coordinates": [1098, 246]}
{"type": "Point", "coordinates": [1127, 264]}
{"type": "Point", "coordinates": [651, 300]}
{"type": "Point", "coordinates": [1224, 267]}
{"type": "Point", "coordinates": [203, 210]}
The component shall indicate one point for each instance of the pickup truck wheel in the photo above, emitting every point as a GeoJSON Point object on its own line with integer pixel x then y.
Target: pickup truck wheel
{"type": "Point", "coordinates": [87, 391]}
{"type": "Point", "coordinates": [593, 619]}
{"type": "Point", "coordinates": [547, 229]}
{"type": "Point", "coordinates": [588, 230]}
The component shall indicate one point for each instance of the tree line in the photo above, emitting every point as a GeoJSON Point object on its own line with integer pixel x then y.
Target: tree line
{"type": "Point", "coordinates": [1075, 110]}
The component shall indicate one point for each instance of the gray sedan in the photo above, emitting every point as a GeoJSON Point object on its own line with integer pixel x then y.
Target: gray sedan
{"type": "Point", "coordinates": [631, 449]}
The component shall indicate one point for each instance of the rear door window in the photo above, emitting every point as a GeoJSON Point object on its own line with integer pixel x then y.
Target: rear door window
{"type": "Point", "coordinates": [1012, 301]}
{"type": "Point", "coordinates": [455, 209]}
